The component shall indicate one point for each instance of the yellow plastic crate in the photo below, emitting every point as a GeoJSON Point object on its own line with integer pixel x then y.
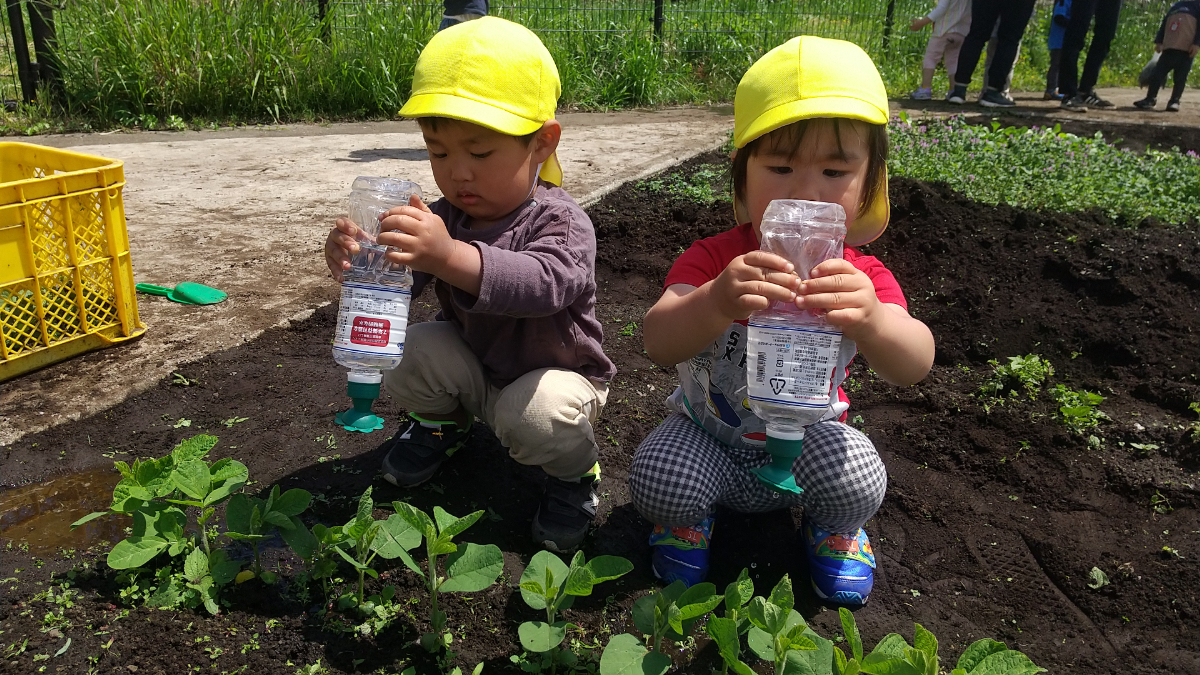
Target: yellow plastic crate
{"type": "Point", "coordinates": [66, 281]}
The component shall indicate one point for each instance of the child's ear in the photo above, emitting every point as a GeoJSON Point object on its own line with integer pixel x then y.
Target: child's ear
{"type": "Point", "coordinates": [545, 142]}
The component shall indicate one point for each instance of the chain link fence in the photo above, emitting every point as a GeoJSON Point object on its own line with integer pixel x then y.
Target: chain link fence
{"type": "Point", "coordinates": [715, 40]}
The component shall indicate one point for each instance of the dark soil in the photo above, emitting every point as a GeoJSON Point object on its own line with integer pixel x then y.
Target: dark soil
{"type": "Point", "coordinates": [993, 520]}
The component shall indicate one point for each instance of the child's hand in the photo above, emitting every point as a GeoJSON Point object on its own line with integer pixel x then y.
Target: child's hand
{"type": "Point", "coordinates": [918, 24]}
{"type": "Point", "coordinates": [341, 243]}
{"type": "Point", "coordinates": [1192, 51]}
{"type": "Point", "coordinates": [847, 294]}
{"type": "Point", "coordinates": [751, 282]}
{"type": "Point", "coordinates": [425, 244]}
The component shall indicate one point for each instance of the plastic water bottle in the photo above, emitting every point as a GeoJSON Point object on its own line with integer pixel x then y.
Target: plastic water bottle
{"type": "Point", "coordinates": [376, 293]}
{"type": "Point", "coordinates": [792, 352]}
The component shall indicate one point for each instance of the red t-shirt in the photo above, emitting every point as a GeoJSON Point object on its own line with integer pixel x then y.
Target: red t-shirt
{"type": "Point", "coordinates": [713, 383]}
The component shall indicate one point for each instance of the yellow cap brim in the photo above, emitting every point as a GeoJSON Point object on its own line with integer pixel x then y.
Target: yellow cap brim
{"type": "Point", "coordinates": [811, 108]}
{"type": "Point", "coordinates": [865, 229]}
{"type": "Point", "coordinates": [469, 110]}
{"type": "Point", "coordinates": [552, 171]}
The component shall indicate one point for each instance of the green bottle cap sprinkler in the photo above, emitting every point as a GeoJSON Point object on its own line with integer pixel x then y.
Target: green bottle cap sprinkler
{"type": "Point", "coordinates": [784, 447]}
{"type": "Point", "coordinates": [363, 388]}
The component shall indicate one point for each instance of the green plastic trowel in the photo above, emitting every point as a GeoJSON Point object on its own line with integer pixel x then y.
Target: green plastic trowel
{"type": "Point", "coordinates": [186, 292]}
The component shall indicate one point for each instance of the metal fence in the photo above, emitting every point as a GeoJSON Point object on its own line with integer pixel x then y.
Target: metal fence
{"type": "Point", "coordinates": [724, 35]}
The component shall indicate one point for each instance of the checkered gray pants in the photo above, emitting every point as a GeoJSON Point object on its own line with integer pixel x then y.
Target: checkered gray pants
{"type": "Point", "coordinates": [680, 473]}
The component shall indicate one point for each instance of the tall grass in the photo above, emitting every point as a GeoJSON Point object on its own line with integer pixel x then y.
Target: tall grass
{"type": "Point", "coordinates": [125, 61]}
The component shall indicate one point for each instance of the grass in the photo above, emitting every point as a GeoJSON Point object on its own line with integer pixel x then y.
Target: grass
{"type": "Point", "coordinates": [166, 63]}
{"type": "Point", "coordinates": [1048, 170]}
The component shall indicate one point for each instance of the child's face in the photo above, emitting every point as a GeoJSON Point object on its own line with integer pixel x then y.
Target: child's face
{"type": "Point", "coordinates": [818, 171]}
{"type": "Point", "coordinates": [486, 173]}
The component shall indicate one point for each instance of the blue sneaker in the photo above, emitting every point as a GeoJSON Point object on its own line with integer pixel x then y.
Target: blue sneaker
{"type": "Point", "coordinates": [681, 553]}
{"type": "Point", "coordinates": [842, 566]}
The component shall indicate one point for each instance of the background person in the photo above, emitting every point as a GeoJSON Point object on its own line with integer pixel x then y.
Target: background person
{"type": "Point", "coordinates": [458, 11]}
{"type": "Point", "coordinates": [951, 20]}
{"type": "Point", "coordinates": [1078, 90]}
{"type": "Point", "coordinates": [1178, 40]}
{"type": "Point", "coordinates": [1013, 16]}
{"type": "Point", "coordinates": [1054, 41]}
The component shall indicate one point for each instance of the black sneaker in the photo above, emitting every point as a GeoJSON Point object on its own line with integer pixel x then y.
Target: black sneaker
{"type": "Point", "coordinates": [565, 513]}
{"type": "Point", "coordinates": [1172, 106]}
{"type": "Point", "coordinates": [1091, 100]}
{"type": "Point", "coordinates": [415, 453]}
{"type": "Point", "coordinates": [1145, 104]}
{"type": "Point", "coordinates": [1074, 104]}
{"type": "Point", "coordinates": [957, 95]}
{"type": "Point", "coordinates": [995, 99]}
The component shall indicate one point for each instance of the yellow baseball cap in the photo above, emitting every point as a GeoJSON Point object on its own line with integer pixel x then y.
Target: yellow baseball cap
{"type": "Point", "coordinates": [489, 72]}
{"type": "Point", "coordinates": [808, 77]}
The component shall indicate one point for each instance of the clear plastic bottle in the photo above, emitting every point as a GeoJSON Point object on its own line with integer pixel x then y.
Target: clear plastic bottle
{"type": "Point", "coordinates": [792, 352]}
{"type": "Point", "coordinates": [373, 315]}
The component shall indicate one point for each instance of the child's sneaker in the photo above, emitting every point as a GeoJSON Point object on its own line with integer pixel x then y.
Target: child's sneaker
{"type": "Point", "coordinates": [566, 512]}
{"type": "Point", "coordinates": [1051, 95]}
{"type": "Point", "coordinates": [1145, 104]}
{"type": "Point", "coordinates": [922, 94]}
{"type": "Point", "coordinates": [681, 553]}
{"type": "Point", "coordinates": [420, 448]}
{"type": "Point", "coordinates": [1172, 106]}
{"type": "Point", "coordinates": [842, 566]}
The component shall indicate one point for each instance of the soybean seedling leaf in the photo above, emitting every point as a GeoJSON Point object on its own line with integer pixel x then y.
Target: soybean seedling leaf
{"type": "Point", "coordinates": [794, 665]}
{"type": "Point", "coordinates": [535, 575]}
{"type": "Point", "coordinates": [643, 614]}
{"type": "Point", "coordinates": [608, 567]}
{"type": "Point", "coordinates": [539, 636]}
{"type": "Point", "coordinates": [977, 652]}
{"type": "Point", "coordinates": [366, 509]}
{"type": "Point", "coordinates": [761, 643]}
{"type": "Point", "coordinates": [1008, 662]}
{"type": "Point", "coordinates": [882, 664]}
{"type": "Point", "coordinates": [237, 514]}
{"type": "Point", "coordinates": [402, 537]}
{"type": "Point", "coordinates": [417, 518]}
{"type": "Point", "coordinates": [299, 538]}
{"type": "Point", "coordinates": [192, 478]}
{"type": "Point", "coordinates": [724, 632]}
{"type": "Point", "coordinates": [222, 569]}
{"type": "Point", "coordinates": [472, 568]}
{"type": "Point", "coordinates": [89, 517]}
{"type": "Point", "coordinates": [135, 552]}
{"type": "Point", "coordinates": [293, 502]}
{"type": "Point", "coordinates": [839, 662]}
{"type": "Point", "coordinates": [194, 448]}
{"type": "Point", "coordinates": [767, 616]}
{"type": "Point", "coordinates": [782, 596]}
{"type": "Point", "coordinates": [850, 628]}
{"type": "Point", "coordinates": [926, 642]}
{"type": "Point", "coordinates": [739, 592]}
{"type": "Point", "coordinates": [450, 526]}
{"type": "Point", "coordinates": [625, 655]}
{"type": "Point", "coordinates": [357, 565]}
{"type": "Point", "coordinates": [892, 645]}
{"type": "Point", "coordinates": [195, 566]}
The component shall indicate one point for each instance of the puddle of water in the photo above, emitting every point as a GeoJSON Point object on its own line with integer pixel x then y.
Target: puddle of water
{"type": "Point", "coordinates": [40, 514]}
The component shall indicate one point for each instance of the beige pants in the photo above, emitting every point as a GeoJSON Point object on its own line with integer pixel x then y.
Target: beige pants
{"type": "Point", "coordinates": [544, 418]}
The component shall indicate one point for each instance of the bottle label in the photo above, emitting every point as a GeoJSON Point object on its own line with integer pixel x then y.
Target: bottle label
{"type": "Point", "coordinates": [372, 319]}
{"type": "Point", "coordinates": [793, 365]}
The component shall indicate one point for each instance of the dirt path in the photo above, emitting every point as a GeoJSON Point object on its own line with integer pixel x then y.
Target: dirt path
{"type": "Point", "coordinates": [247, 211]}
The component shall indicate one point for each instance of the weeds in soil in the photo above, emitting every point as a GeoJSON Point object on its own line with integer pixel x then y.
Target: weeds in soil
{"type": "Point", "coordinates": [706, 184]}
{"type": "Point", "coordinates": [1046, 169]}
{"type": "Point", "coordinates": [1022, 373]}
{"type": "Point", "coordinates": [1078, 408]}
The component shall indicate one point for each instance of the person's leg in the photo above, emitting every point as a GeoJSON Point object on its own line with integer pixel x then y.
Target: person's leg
{"type": "Point", "coordinates": [1014, 16]}
{"type": "Point", "coordinates": [954, 43]}
{"type": "Point", "coordinates": [1108, 13]}
{"type": "Point", "coordinates": [983, 19]}
{"type": "Point", "coordinates": [545, 418]}
{"type": "Point", "coordinates": [1052, 71]}
{"type": "Point", "coordinates": [1158, 76]}
{"type": "Point", "coordinates": [1182, 70]}
{"type": "Point", "coordinates": [442, 384]}
{"type": "Point", "coordinates": [934, 50]}
{"type": "Point", "coordinates": [1073, 39]}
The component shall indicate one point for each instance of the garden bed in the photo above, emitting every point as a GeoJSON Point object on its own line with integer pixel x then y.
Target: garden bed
{"type": "Point", "coordinates": [994, 518]}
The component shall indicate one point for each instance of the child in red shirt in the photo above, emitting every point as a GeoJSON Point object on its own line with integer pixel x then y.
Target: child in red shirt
{"type": "Point", "coordinates": [816, 133]}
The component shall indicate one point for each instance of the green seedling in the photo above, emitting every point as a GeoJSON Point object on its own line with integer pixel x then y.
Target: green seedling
{"type": "Point", "coordinates": [1099, 579]}
{"type": "Point", "coordinates": [1078, 408]}
{"type": "Point", "coordinates": [367, 538]}
{"type": "Point", "coordinates": [252, 519]}
{"type": "Point", "coordinates": [666, 614]}
{"type": "Point", "coordinates": [469, 568]}
{"type": "Point", "coordinates": [549, 584]}
{"type": "Point", "coordinates": [779, 634]}
{"type": "Point", "coordinates": [726, 631]}
{"type": "Point", "coordinates": [152, 492]}
{"type": "Point", "coordinates": [1026, 373]}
